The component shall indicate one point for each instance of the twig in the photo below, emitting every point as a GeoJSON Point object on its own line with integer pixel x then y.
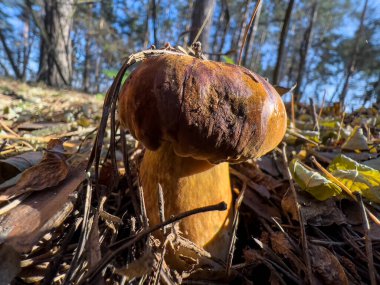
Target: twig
{"type": "Point", "coordinates": [322, 105]}
{"type": "Point", "coordinates": [14, 203]}
{"type": "Point", "coordinates": [74, 268]}
{"type": "Point", "coordinates": [344, 188]}
{"type": "Point", "coordinates": [340, 129]}
{"type": "Point", "coordinates": [247, 29]}
{"type": "Point", "coordinates": [314, 115]}
{"type": "Point", "coordinates": [202, 27]}
{"type": "Point", "coordinates": [8, 129]}
{"type": "Point", "coordinates": [293, 133]}
{"type": "Point", "coordinates": [235, 224]}
{"type": "Point", "coordinates": [368, 241]}
{"type": "Point", "coordinates": [132, 240]}
{"type": "Point", "coordinates": [293, 122]}
{"type": "Point", "coordinates": [305, 245]}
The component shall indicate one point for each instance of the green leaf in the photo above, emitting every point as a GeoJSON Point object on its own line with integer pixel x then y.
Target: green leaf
{"type": "Point", "coordinates": [111, 73]}
{"type": "Point", "coordinates": [313, 182]}
{"type": "Point", "coordinates": [228, 59]}
{"type": "Point", "coordinates": [357, 177]}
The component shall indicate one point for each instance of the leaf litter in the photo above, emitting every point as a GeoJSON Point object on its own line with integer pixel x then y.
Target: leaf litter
{"type": "Point", "coordinates": [66, 227]}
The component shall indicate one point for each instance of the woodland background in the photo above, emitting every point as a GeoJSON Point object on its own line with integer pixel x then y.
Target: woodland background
{"type": "Point", "coordinates": [331, 49]}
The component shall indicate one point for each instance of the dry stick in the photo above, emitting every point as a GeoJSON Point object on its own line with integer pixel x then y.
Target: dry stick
{"type": "Point", "coordinates": [202, 27]}
{"type": "Point", "coordinates": [305, 245]}
{"type": "Point", "coordinates": [368, 241]}
{"type": "Point", "coordinates": [344, 188]}
{"type": "Point", "coordinates": [235, 224]}
{"type": "Point", "coordinates": [293, 133]}
{"type": "Point", "coordinates": [14, 203]}
{"type": "Point", "coordinates": [8, 129]}
{"type": "Point", "coordinates": [340, 129]}
{"type": "Point", "coordinates": [322, 105]}
{"type": "Point", "coordinates": [314, 115]}
{"type": "Point", "coordinates": [161, 206]}
{"type": "Point", "coordinates": [74, 268]}
{"type": "Point", "coordinates": [247, 29]}
{"type": "Point", "coordinates": [293, 123]}
{"type": "Point", "coordinates": [132, 240]}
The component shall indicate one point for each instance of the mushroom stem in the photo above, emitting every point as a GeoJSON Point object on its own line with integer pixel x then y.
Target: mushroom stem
{"type": "Point", "coordinates": [188, 184]}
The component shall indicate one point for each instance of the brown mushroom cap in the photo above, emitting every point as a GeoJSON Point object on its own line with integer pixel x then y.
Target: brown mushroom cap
{"type": "Point", "coordinates": [207, 110]}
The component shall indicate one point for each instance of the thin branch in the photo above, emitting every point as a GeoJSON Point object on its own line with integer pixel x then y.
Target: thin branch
{"type": "Point", "coordinates": [247, 29]}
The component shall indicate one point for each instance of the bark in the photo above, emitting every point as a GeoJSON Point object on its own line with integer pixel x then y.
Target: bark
{"type": "Point", "coordinates": [202, 11]}
{"type": "Point", "coordinates": [56, 48]}
{"type": "Point", "coordinates": [351, 67]}
{"type": "Point", "coordinates": [304, 50]}
{"type": "Point", "coordinates": [281, 47]}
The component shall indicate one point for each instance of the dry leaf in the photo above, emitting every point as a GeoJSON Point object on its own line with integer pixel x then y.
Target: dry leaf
{"type": "Point", "coordinates": [316, 213]}
{"type": "Point", "coordinates": [48, 173]}
{"type": "Point", "coordinates": [28, 222]}
{"type": "Point", "coordinates": [137, 268]}
{"type": "Point", "coordinates": [327, 267]}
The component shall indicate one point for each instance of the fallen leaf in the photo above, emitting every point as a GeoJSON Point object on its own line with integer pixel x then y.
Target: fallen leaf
{"type": "Point", "coordinates": [137, 268]}
{"type": "Point", "coordinates": [51, 170]}
{"type": "Point", "coordinates": [313, 182]}
{"type": "Point", "coordinates": [356, 141]}
{"type": "Point", "coordinates": [314, 212]}
{"type": "Point", "coordinates": [357, 177]}
{"type": "Point", "coordinates": [26, 224]}
{"type": "Point", "coordinates": [326, 266]}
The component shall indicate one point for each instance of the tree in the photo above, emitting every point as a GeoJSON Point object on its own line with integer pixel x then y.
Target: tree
{"type": "Point", "coordinates": [282, 41]}
{"type": "Point", "coordinates": [304, 50]}
{"type": "Point", "coordinates": [352, 64]}
{"type": "Point", "coordinates": [201, 21]}
{"type": "Point", "coordinates": [55, 67]}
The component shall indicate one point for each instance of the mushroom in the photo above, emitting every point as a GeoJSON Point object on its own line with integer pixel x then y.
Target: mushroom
{"type": "Point", "coordinates": [194, 117]}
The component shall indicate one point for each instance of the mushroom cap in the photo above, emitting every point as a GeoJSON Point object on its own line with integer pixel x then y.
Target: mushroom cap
{"type": "Point", "coordinates": [208, 110]}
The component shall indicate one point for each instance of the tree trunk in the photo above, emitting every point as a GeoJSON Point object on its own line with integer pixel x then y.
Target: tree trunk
{"type": "Point", "coordinates": [281, 47]}
{"type": "Point", "coordinates": [9, 54]}
{"type": "Point", "coordinates": [351, 67]}
{"type": "Point", "coordinates": [56, 49]}
{"type": "Point", "coordinates": [202, 11]}
{"type": "Point", "coordinates": [304, 50]}
{"type": "Point", "coordinates": [226, 21]}
{"type": "Point", "coordinates": [87, 58]}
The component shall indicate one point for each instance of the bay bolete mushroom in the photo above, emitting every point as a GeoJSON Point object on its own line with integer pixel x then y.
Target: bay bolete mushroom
{"type": "Point", "coordinates": [195, 116]}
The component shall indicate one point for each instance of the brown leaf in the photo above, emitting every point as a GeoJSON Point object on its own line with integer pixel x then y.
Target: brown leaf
{"type": "Point", "coordinates": [25, 225]}
{"type": "Point", "coordinates": [316, 213]}
{"type": "Point", "coordinates": [48, 173]}
{"type": "Point", "coordinates": [327, 267]}
{"type": "Point", "coordinates": [280, 243]}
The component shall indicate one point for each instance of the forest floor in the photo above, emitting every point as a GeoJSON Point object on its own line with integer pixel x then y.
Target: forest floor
{"type": "Point", "coordinates": [309, 213]}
